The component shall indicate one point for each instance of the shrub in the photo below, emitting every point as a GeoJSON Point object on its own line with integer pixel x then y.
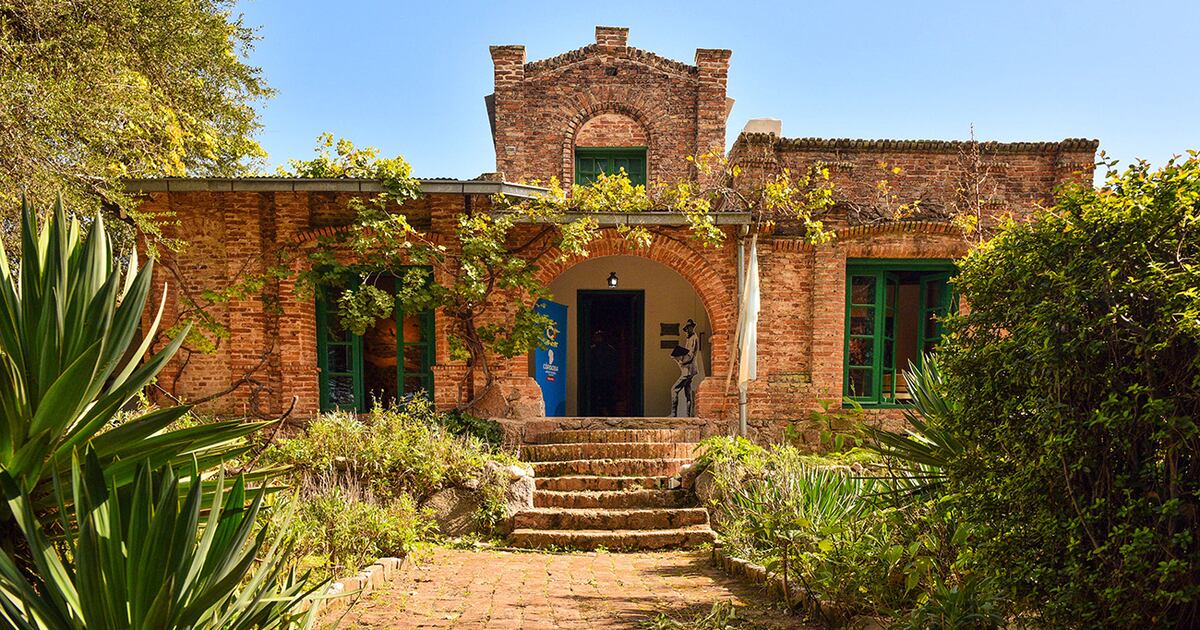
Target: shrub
{"type": "Point", "coordinates": [146, 557]}
{"type": "Point", "coordinates": [69, 362]}
{"type": "Point", "coordinates": [390, 451]}
{"type": "Point", "coordinates": [338, 529]}
{"type": "Point", "coordinates": [1075, 377]}
{"type": "Point", "coordinates": [813, 525]}
{"type": "Point", "coordinates": [362, 478]}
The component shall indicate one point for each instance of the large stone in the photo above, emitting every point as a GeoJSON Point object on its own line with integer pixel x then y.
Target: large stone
{"type": "Point", "coordinates": [455, 510]}
{"type": "Point", "coordinates": [705, 487]}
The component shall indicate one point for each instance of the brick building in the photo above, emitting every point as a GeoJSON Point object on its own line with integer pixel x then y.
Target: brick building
{"type": "Point", "coordinates": [837, 320]}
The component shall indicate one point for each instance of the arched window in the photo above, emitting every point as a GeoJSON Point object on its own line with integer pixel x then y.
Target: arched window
{"type": "Point", "coordinates": [608, 143]}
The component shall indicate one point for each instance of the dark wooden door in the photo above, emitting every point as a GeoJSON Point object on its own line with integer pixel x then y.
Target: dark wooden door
{"type": "Point", "coordinates": [611, 352]}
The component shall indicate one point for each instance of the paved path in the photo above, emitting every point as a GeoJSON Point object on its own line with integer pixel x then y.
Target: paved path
{"type": "Point", "coordinates": [448, 588]}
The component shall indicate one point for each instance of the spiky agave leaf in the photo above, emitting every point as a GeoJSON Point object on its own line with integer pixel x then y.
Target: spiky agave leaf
{"type": "Point", "coordinates": [70, 360]}
{"type": "Point", "coordinates": [148, 558]}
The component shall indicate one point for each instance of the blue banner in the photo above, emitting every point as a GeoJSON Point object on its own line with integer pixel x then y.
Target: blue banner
{"type": "Point", "coordinates": [550, 364]}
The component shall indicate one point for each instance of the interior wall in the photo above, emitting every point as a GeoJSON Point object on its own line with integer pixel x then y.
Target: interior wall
{"type": "Point", "coordinates": [669, 298]}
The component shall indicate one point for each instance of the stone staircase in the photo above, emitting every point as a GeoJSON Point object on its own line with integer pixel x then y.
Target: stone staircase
{"type": "Point", "coordinates": [610, 488]}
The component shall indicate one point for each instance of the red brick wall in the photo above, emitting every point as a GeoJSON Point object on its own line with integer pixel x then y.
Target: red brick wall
{"type": "Point", "coordinates": [611, 130]}
{"type": "Point", "coordinates": [540, 108]}
{"type": "Point", "coordinates": [1012, 178]}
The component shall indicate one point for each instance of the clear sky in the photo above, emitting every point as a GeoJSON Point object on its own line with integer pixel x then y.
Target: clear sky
{"type": "Point", "coordinates": [410, 77]}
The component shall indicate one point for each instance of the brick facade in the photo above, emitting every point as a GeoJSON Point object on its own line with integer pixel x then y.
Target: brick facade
{"type": "Point", "coordinates": [604, 94]}
{"type": "Point", "coordinates": [541, 110]}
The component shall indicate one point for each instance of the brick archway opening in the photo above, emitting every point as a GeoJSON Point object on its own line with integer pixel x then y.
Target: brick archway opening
{"type": "Point", "coordinates": [710, 287]}
{"type": "Point", "coordinates": [595, 111]}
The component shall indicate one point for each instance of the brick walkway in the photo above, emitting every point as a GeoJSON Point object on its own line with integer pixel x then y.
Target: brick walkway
{"type": "Point", "coordinates": [449, 588]}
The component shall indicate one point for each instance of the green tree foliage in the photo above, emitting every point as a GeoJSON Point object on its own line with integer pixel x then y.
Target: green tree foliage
{"type": "Point", "coordinates": [93, 91]}
{"type": "Point", "coordinates": [1075, 382]}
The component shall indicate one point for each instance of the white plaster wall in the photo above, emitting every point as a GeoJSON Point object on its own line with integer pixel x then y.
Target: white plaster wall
{"type": "Point", "coordinates": [669, 298]}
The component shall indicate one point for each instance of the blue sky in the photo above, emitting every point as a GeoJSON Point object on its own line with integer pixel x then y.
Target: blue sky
{"type": "Point", "coordinates": [410, 77]}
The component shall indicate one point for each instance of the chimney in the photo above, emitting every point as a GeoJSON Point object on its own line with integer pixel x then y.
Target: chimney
{"type": "Point", "coordinates": [772, 126]}
{"type": "Point", "coordinates": [508, 63]}
{"type": "Point", "coordinates": [612, 36]}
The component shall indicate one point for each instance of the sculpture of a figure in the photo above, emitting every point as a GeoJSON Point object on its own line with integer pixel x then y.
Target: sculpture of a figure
{"type": "Point", "coordinates": [686, 355]}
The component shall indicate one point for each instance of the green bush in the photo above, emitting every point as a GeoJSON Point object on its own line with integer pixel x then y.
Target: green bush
{"type": "Point", "coordinates": [338, 530]}
{"type": "Point", "coordinates": [390, 451]}
{"type": "Point", "coordinates": [1075, 381]}
{"type": "Point", "coordinates": [361, 479]}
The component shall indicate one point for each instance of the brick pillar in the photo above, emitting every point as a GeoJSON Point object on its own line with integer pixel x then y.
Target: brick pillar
{"type": "Point", "coordinates": [828, 323]}
{"type": "Point", "coordinates": [247, 341]}
{"type": "Point", "coordinates": [298, 319]}
{"type": "Point", "coordinates": [509, 73]}
{"type": "Point", "coordinates": [612, 37]}
{"type": "Point", "coordinates": [711, 106]}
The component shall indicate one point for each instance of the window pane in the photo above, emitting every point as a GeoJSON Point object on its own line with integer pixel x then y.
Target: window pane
{"type": "Point", "coordinates": [862, 320]}
{"type": "Point", "coordinates": [860, 385]}
{"type": "Point", "coordinates": [414, 359]}
{"type": "Point", "coordinates": [341, 391]}
{"type": "Point", "coordinates": [862, 352]}
{"type": "Point", "coordinates": [889, 353]}
{"type": "Point", "coordinates": [412, 329]}
{"type": "Point", "coordinates": [414, 384]}
{"type": "Point", "coordinates": [338, 356]}
{"type": "Point", "coordinates": [933, 294]}
{"type": "Point", "coordinates": [862, 290]}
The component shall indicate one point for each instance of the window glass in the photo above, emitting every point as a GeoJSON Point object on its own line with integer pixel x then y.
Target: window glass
{"type": "Point", "coordinates": [591, 161]}
{"type": "Point", "coordinates": [893, 318]}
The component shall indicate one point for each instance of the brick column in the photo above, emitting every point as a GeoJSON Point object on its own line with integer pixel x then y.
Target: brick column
{"type": "Point", "coordinates": [711, 106]}
{"type": "Point", "coordinates": [828, 322]}
{"type": "Point", "coordinates": [297, 348]}
{"type": "Point", "coordinates": [509, 73]}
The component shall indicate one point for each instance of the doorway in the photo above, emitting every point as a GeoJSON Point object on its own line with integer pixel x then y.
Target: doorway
{"type": "Point", "coordinates": [611, 331]}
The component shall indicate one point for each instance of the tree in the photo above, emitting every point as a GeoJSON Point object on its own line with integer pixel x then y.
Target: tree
{"type": "Point", "coordinates": [94, 91]}
{"type": "Point", "coordinates": [1074, 385]}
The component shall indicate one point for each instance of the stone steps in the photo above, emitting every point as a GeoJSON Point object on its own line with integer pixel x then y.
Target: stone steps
{"type": "Point", "coordinates": [608, 450]}
{"type": "Point", "coordinates": [600, 436]}
{"type": "Point", "coordinates": [587, 483]}
{"type": "Point", "coordinates": [612, 488]}
{"type": "Point", "coordinates": [610, 467]}
{"type": "Point", "coordinates": [609, 519]}
{"type": "Point", "coordinates": [613, 499]}
{"type": "Point", "coordinates": [617, 539]}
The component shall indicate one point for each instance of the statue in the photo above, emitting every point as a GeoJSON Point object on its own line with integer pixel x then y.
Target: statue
{"type": "Point", "coordinates": [686, 355]}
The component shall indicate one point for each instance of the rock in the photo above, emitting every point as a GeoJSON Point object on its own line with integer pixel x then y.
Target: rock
{"type": "Point", "coordinates": [455, 510]}
{"type": "Point", "coordinates": [705, 487]}
{"type": "Point", "coordinates": [687, 476]}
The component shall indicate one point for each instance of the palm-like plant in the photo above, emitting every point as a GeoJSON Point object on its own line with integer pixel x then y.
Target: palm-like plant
{"type": "Point", "coordinates": [70, 359]}
{"type": "Point", "coordinates": [138, 557]}
{"type": "Point", "coordinates": [918, 457]}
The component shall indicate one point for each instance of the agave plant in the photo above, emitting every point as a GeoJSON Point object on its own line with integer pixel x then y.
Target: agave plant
{"type": "Point", "coordinates": [139, 557]}
{"type": "Point", "coordinates": [70, 359]}
{"type": "Point", "coordinates": [918, 457]}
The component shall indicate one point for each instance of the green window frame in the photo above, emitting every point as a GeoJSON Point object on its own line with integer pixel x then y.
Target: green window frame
{"type": "Point", "coordinates": [340, 359]}
{"type": "Point", "coordinates": [591, 161]}
{"type": "Point", "coordinates": [870, 371]}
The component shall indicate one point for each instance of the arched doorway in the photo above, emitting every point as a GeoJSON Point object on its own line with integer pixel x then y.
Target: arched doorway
{"type": "Point", "coordinates": [620, 338]}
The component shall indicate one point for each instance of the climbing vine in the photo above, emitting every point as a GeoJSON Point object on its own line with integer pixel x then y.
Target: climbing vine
{"type": "Point", "coordinates": [483, 279]}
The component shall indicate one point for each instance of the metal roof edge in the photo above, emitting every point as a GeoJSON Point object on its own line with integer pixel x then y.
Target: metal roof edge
{"type": "Point", "coordinates": [300, 184]}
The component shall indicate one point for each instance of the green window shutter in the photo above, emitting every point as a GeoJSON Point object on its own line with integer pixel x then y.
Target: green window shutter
{"type": "Point", "coordinates": [936, 302]}
{"type": "Point", "coordinates": [339, 357]}
{"type": "Point", "coordinates": [872, 364]}
{"type": "Point", "coordinates": [864, 293]}
{"type": "Point", "coordinates": [415, 353]}
{"type": "Point", "coordinates": [591, 161]}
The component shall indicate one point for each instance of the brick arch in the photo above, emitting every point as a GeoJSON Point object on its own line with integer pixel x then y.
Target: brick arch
{"type": "Point", "coordinates": [642, 116]}
{"type": "Point", "coordinates": [712, 288]}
